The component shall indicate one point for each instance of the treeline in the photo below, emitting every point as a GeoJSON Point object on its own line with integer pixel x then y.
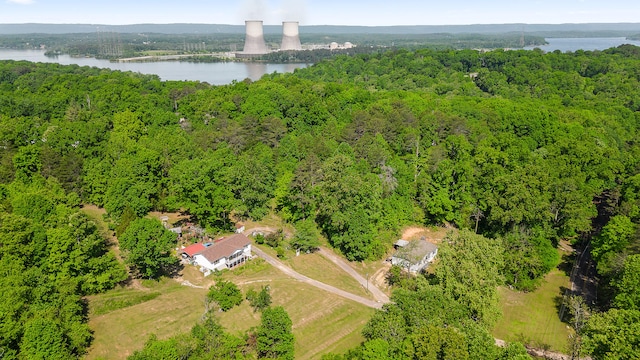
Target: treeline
{"type": "Point", "coordinates": [444, 40]}
{"type": "Point", "coordinates": [51, 256]}
{"type": "Point", "coordinates": [523, 147]}
{"type": "Point", "coordinates": [101, 43]}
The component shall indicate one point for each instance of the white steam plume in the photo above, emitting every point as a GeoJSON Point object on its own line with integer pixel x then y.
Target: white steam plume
{"type": "Point", "coordinates": [293, 10]}
{"type": "Point", "coordinates": [254, 10]}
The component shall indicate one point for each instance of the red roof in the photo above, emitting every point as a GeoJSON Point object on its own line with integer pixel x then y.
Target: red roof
{"type": "Point", "coordinates": [225, 247]}
{"type": "Point", "coordinates": [194, 249]}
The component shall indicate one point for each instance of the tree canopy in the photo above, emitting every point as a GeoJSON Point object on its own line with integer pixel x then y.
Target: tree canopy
{"type": "Point", "coordinates": [524, 148]}
{"type": "Point", "coordinates": [147, 247]}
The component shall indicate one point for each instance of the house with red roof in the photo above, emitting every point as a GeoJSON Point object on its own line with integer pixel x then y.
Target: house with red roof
{"type": "Point", "coordinates": [223, 254]}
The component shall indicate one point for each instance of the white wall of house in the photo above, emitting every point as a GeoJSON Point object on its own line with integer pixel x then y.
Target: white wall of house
{"type": "Point", "coordinates": [203, 262]}
{"type": "Point", "coordinates": [432, 255]}
{"type": "Point", "coordinates": [403, 263]}
{"type": "Point", "coordinates": [220, 264]}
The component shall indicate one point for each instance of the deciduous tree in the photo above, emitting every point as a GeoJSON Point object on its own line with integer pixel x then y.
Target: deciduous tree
{"type": "Point", "coordinates": [274, 335]}
{"type": "Point", "coordinates": [147, 247]}
{"type": "Point", "coordinates": [226, 294]}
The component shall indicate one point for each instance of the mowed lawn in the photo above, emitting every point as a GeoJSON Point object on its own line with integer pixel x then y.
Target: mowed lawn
{"type": "Point", "coordinates": [322, 322]}
{"type": "Point", "coordinates": [118, 333]}
{"type": "Point", "coordinates": [124, 318]}
{"type": "Point", "coordinates": [322, 269]}
{"type": "Point", "coordinates": [532, 318]}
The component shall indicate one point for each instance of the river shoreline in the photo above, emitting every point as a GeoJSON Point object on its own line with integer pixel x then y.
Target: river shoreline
{"type": "Point", "coordinates": [214, 73]}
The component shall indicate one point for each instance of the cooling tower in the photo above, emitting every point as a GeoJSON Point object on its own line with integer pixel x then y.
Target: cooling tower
{"type": "Point", "coordinates": [254, 42]}
{"type": "Point", "coordinates": [290, 36]}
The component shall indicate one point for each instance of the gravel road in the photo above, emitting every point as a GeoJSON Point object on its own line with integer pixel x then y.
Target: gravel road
{"type": "Point", "coordinates": [294, 274]}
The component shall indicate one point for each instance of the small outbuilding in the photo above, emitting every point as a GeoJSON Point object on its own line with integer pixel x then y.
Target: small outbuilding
{"type": "Point", "coordinates": [177, 231]}
{"type": "Point", "coordinates": [400, 244]}
{"type": "Point", "coordinates": [414, 255]}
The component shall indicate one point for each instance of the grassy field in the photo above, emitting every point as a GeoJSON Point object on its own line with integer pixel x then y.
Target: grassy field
{"type": "Point", "coordinates": [532, 318]}
{"type": "Point", "coordinates": [119, 332]}
{"type": "Point", "coordinates": [322, 322]}
{"type": "Point", "coordinates": [320, 268]}
{"type": "Point", "coordinates": [123, 319]}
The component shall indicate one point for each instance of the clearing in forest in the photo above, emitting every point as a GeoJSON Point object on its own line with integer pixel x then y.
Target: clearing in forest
{"type": "Point", "coordinates": [532, 318]}
{"type": "Point", "coordinates": [322, 322]}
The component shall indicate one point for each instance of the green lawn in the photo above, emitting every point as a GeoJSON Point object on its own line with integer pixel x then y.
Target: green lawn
{"type": "Point", "coordinates": [322, 322]}
{"type": "Point", "coordinates": [322, 269]}
{"type": "Point", "coordinates": [120, 331]}
{"type": "Point", "coordinates": [532, 318]}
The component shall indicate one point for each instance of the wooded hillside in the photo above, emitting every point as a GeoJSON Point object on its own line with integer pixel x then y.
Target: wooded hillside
{"type": "Point", "coordinates": [522, 147]}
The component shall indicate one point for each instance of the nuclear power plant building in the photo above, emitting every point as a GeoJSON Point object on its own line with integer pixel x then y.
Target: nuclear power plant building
{"type": "Point", "coordinates": [254, 42]}
{"type": "Point", "coordinates": [290, 36]}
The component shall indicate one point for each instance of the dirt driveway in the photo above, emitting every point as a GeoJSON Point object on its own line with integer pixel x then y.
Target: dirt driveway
{"type": "Point", "coordinates": [294, 274]}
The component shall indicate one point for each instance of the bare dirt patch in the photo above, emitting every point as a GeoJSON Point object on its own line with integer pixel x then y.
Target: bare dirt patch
{"type": "Point", "coordinates": [432, 235]}
{"type": "Point", "coordinates": [172, 217]}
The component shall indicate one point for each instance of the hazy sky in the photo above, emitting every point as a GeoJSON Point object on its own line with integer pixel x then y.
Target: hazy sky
{"type": "Point", "coordinates": [320, 12]}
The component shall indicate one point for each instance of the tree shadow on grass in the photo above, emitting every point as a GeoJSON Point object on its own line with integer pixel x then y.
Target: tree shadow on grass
{"type": "Point", "coordinates": [566, 263]}
{"type": "Point", "coordinates": [174, 270]}
{"type": "Point", "coordinates": [560, 302]}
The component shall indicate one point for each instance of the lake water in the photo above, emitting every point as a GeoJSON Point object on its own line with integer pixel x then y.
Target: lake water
{"type": "Point", "coordinates": [213, 73]}
{"type": "Point", "coordinates": [574, 44]}
{"type": "Point", "coordinates": [226, 72]}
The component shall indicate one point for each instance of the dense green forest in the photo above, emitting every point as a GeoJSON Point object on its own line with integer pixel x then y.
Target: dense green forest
{"type": "Point", "coordinates": [518, 149]}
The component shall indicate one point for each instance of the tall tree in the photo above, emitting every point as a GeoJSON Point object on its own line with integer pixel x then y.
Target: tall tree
{"type": "Point", "coordinates": [147, 247]}
{"type": "Point", "coordinates": [274, 336]}
{"type": "Point", "coordinates": [627, 285]}
{"type": "Point", "coordinates": [254, 181]}
{"type": "Point", "coordinates": [307, 236]}
{"type": "Point", "coordinates": [469, 271]}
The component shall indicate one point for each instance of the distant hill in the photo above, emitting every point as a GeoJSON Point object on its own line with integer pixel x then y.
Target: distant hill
{"type": "Point", "coordinates": [612, 29]}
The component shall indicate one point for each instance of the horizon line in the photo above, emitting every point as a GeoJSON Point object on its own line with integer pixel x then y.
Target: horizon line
{"type": "Point", "coordinates": [343, 25]}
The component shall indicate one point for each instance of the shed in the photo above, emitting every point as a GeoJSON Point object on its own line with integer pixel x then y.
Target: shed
{"type": "Point", "coordinates": [415, 255]}
{"type": "Point", "coordinates": [400, 244]}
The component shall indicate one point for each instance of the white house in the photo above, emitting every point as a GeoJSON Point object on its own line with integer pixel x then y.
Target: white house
{"type": "Point", "coordinates": [224, 254]}
{"type": "Point", "coordinates": [414, 255]}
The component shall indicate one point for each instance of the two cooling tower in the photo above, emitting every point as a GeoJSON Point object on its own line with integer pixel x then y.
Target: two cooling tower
{"type": "Point", "coordinates": [254, 43]}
